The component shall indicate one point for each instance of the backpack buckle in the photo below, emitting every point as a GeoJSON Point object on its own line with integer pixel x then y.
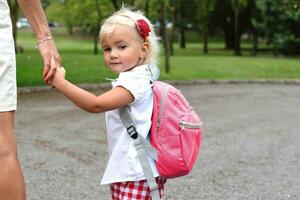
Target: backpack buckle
{"type": "Point", "coordinates": [132, 132]}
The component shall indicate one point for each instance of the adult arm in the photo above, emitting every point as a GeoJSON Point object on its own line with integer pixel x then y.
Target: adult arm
{"type": "Point", "coordinates": [34, 12]}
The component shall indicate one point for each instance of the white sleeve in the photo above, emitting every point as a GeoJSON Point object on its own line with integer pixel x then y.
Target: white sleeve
{"type": "Point", "coordinates": [136, 83]}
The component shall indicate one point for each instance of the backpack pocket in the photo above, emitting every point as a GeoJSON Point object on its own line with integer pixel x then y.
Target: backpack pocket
{"type": "Point", "coordinates": [190, 121]}
{"type": "Point", "coordinates": [190, 138]}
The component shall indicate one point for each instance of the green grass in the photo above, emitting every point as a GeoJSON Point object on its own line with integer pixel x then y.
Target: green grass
{"type": "Point", "coordinates": [225, 67]}
{"type": "Point", "coordinates": [186, 64]}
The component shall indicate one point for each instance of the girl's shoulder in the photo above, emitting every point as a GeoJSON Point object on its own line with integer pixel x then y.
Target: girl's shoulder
{"type": "Point", "coordinates": [138, 82]}
{"type": "Point", "coordinates": [137, 74]}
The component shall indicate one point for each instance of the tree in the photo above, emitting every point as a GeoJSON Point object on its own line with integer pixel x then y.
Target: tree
{"type": "Point", "coordinates": [282, 22]}
{"type": "Point", "coordinates": [236, 4]}
{"type": "Point", "coordinates": [65, 12]}
{"type": "Point", "coordinates": [174, 8]}
{"type": "Point", "coordinates": [163, 31]}
{"type": "Point", "coordinates": [205, 8]}
{"type": "Point", "coordinates": [181, 27]}
{"type": "Point", "coordinates": [84, 13]}
{"type": "Point", "coordinates": [97, 26]}
{"type": "Point", "coordinates": [182, 16]}
{"type": "Point", "coordinates": [222, 18]}
{"type": "Point", "coordinates": [258, 24]}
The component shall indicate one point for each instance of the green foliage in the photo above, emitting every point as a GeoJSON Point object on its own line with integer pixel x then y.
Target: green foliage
{"type": "Point", "coordinates": [236, 4]}
{"type": "Point", "coordinates": [274, 21]}
{"type": "Point", "coordinates": [205, 8]}
{"type": "Point", "coordinates": [81, 13]}
{"type": "Point", "coordinates": [281, 25]}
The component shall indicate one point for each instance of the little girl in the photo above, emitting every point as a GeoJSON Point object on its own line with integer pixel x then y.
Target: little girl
{"type": "Point", "coordinates": [130, 48]}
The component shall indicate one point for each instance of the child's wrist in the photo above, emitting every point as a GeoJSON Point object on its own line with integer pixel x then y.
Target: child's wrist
{"type": "Point", "coordinates": [58, 82]}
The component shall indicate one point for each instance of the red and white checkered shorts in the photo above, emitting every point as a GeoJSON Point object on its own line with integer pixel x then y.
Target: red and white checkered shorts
{"type": "Point", "coordinates": [135, 190]}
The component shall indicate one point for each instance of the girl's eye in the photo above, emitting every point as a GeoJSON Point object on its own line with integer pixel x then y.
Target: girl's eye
{"type": "Point", "coordinates": [122, 46]}
{"type": "Point", "coordinates": [106, 49]}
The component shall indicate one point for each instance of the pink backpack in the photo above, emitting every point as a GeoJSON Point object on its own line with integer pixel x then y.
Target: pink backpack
{"type": "Point", "coordinates": [175, 135]}
{"type": "Point", "coordinates": [175, 132]}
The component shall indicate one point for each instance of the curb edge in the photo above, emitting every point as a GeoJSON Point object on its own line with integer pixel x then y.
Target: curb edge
{"type": "Point", "coordinates": [91, 86]}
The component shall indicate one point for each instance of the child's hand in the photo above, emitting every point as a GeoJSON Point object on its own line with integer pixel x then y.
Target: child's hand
{"type": "Point", "coordinates": [58, 76]}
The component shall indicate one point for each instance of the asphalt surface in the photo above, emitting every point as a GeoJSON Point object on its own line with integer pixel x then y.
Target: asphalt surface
{"type": "Point", "coordinates": [250, 146]}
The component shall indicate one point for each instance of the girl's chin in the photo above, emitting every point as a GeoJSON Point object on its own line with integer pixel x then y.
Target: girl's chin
{"type": "Point", "coordinates": [120, 69]}
{"type": "Point", "coordinates": [115, 68]}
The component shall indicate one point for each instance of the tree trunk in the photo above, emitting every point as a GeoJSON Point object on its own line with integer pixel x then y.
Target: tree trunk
{"type": "Point", "coordinates": [182, 27]}
{"type": "Point", "coordinates": [237, 46]}
{"type": "Point", "coordinates": [174, 21]}
{"type": "Point", "coordinates": [229, 35]}
{"type": "Point", "coordinates": [182, 38]}
{"type": "Point", "coordinates": [255, 43]}
{"type": "Point", "coordinates": [70, 28]}
{"type": "Point", "coordinates": [228, 42]}
{"type": "Point", "coordinates": [205, 39]}
{"type": "Point", "coordinates": [97, 28]}
{"type": "Point", "coordinates": [164, 34]}
{"type": "Point", "coordinates": [96, 42]}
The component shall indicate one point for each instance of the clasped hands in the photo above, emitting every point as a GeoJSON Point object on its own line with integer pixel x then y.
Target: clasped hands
{"type": "Point", "coordinates": [52, 62]}
{"type": "Point", "coordinates": [58, 75]}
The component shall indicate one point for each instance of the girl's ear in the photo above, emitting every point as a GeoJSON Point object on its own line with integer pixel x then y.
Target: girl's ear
{"type": "Point", "coordinates": [145, 50]}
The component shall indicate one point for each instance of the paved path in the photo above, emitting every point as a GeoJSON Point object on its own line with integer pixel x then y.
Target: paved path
{"type": "Point", "coordinates": [250, 146]}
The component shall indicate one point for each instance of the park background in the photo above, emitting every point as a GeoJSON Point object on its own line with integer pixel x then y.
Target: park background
{"type": "Point", "coordinates": [200, 39]}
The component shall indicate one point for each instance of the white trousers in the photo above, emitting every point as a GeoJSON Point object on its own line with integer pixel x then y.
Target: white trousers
{"type": "Point", "coordinates": [8, 85]}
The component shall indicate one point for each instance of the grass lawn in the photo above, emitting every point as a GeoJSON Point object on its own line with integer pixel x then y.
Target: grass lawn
{"type": "Point", "coordinates": [186, 64]}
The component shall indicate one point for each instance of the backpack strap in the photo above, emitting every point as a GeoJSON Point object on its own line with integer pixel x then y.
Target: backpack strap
{"type": "Point", "coordinates": [143, 149]}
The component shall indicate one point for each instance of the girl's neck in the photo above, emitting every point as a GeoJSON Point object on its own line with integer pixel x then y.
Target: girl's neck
{"type": "Point", "coordinates": [135, 67]}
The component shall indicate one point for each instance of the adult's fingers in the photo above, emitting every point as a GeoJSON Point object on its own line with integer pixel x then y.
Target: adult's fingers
{"type": "Point", "coordinates": [47, 66]}
{"type": "Point", "coordinates": [46, 69]}
{"type": "Point", "coordinates": [50, 71]}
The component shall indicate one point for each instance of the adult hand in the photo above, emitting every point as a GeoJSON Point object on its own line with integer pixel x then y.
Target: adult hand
{"type": "Point", "coordinates": [49, 51]}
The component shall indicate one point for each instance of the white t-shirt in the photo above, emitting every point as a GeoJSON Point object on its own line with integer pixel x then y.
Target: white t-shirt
{"type": "Point", "coordinates": [123, 164]}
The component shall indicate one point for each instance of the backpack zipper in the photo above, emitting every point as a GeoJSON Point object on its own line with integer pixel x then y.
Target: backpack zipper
{"type": "Point", "coordinates": [189, 125]}
{"type": "Point", "coordinates": [161, 103]}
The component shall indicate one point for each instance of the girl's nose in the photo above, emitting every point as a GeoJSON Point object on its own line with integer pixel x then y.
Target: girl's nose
{"type": "Point", "coordinates": [113, 54]}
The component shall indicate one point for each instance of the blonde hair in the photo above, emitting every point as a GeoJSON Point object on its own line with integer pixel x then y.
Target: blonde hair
{"type": "Point", "coordinates": [127, 17]}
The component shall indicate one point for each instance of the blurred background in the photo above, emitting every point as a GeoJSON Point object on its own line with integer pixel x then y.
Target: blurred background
{"type": "Point", "coordinates": [200, 39]}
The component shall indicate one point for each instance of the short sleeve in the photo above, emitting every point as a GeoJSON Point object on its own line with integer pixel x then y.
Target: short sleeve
{"type": "Point", "coordinates": [136, 82]}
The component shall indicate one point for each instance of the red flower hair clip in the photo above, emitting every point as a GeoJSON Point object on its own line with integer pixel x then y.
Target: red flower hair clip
{"type": "Point", "coordinates": [143, 28]}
